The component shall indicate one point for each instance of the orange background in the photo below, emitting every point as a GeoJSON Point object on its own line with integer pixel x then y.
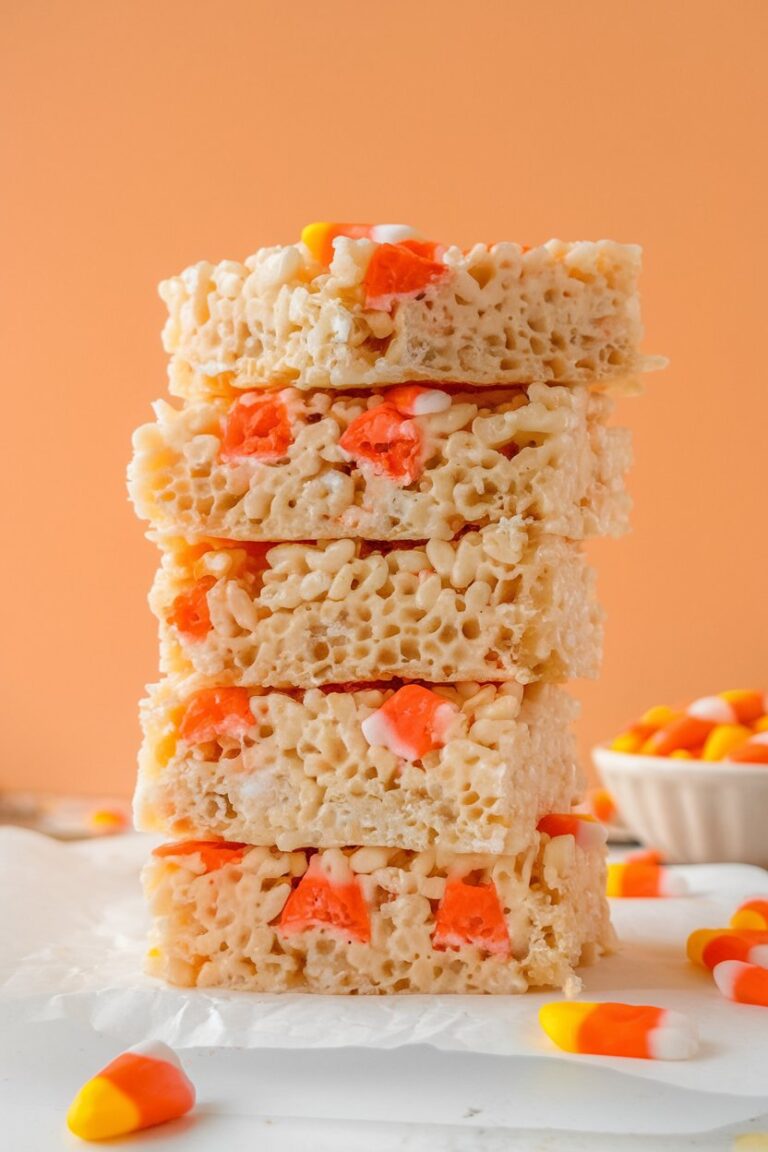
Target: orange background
{"type": "Point", "coordinates": [146, 136]}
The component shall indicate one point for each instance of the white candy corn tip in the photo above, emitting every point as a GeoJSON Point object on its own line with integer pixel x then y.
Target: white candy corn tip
{"type": "Point", "coordinates": [394, 233]}
{"type": "Point", "coordinates": [726, 975]}
{"type": "Point", "coordinates": [381, 734]}
{"type": "Point", "coordinates": [712, 708]}
{"type": "Point", "coordinates": [429, 401]}
{"type": "Point", "coordinates": [676, 1038]}
{"type": "Point", "coordinates": [758, 955]}
{"type": "Point", "coordinates": [156, 1050]}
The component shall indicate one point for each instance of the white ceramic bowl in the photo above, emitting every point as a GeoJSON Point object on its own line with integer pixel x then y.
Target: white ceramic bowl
{"type": "Point", "coordinates": [694, 811]}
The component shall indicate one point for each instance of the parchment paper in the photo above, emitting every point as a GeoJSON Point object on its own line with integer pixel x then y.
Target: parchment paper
{"type": "Point", "coordinates": [74, 927]}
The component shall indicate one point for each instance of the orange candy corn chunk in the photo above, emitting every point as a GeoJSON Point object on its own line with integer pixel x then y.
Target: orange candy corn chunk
{"type": "Point", "coordinates": [214, 854]}
{"type": "Point", "coordinates": [708, 947]}
{"type": "Point", "coordinates": [586, 831]}
{"type": "Point", "coordinates": [637, 734]}
{"type": "Point", "coordinates": [722, 740]}
{"type": "Point", "coordinates": [470, 914]}
{"type": "Point", "coordinates": [612, 1029]}
{"type": "Point", "coordinates": [751, 914]}
{"type": "Point", "coordinates": [645, 856]}
{"type": "Point", "coordinates": [412, 722]}
{"type": "Point", "coordinates": [744, 983]}
{"type": "Point", "coordinates": [427, 249]}
{"type": "Point", "coordinates": [387, 441]}
{"type": "Point", "coordinates": [317, 902]}
{"type": "Point", "coordinates": [143, 1087]}
{"type": "Point", "coordinates": [753, 751]}
{"type": "Point", "coordinates": [189, 611]}
{"type": "Point", "coordinates": [633, 738]}
{"type": "Point", "coordinates": [396, 271]}
{"type": "Point", "coordinates": [602, 805]}
{"type": "Point", "coordinates": [748, 705]}
{"type": "Point", "coordinates": [214, 712]}
{"type": "Point", "coordinates": [107, 821]}
{"type": "Point", "coordinates": [416, 400]}
{"type": "Point", "coordinates": [685, 732]}
{"type": "Point", "coordinates": [256, 426]}
{"type": "Point", "coordinates": [643, 878]}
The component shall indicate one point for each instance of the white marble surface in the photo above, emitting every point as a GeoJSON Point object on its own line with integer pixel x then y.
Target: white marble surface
{"type": "Point", "coordinates": [354, 1099]}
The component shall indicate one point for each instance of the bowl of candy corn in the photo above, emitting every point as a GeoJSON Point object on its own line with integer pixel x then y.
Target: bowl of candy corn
{"type": "Point", "coordinates": [693, 781]}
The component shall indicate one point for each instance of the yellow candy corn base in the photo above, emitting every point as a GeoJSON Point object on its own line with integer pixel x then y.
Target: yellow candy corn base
{"type": "Point", "coordinates": [100, 1110]}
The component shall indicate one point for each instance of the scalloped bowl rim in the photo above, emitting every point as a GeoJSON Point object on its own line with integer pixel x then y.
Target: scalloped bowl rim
{"type": "Point", "coordinates": [660, 766]}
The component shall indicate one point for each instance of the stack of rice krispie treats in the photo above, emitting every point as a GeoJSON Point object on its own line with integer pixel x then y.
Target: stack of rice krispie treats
{"type": "Point", "coordinates": [370, 504]}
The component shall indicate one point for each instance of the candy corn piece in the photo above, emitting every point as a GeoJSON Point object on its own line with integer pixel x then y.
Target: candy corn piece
{"type": "Point", "coordinates": [256, 426]}
{"type": "Point", "coordinates": [398, 270]}
{"type": "Point", "coordinates": [107, 821]}
{"type": "Point", "coordinates": [335, 904]}
{"type": "Point", "coordinates": [387, 441]}
{"type": "Point", "coordinates": [747, 705]}
{"type": "Point", "coordinates": [751, 914]}
{"type": "Point", "coordinates": [143, 1087]}
{"type": "Point", "coordinates": [685, 733]}
{"type": "Point", "coordinates": [471, 914]}
{"type": "Point", "coordinates": [641, 878]}
{"type": "Point", "coordinates": [601, 805]}
{"type": "Point", "coordinates": [723, 740]}
{"type": "Point", "coordinates": [645, 856]}
{"type": "Point", "coordinates": [412, 723]}
{"type": "Point", "coordinates": [752, 751]}
{"type": "Point", "coordinates": [710, 946]}
{"type": "Point", "coordinates": [588, 833]}
{"type": "Point", "coordinates": [416, 400]}
{"type": "Point", "coordinates": [190, 613]}
{"type": "Point", "coordinates": [319, 237]}
{"type": "Point", "coordinates": [742, 982]}
{"type": "Point", "coordinates": [213, 712]}
{"type": "Point", "coordinates": [636, 735]}
{"type": "Point", "coordinates": [751, 1142]}
{"type": "Point", "coordinates": [612, 1029]}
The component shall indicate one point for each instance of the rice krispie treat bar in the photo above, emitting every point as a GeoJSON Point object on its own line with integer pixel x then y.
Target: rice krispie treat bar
{"type": "Point", "coordinates": [403, 463]}
{"type": "Point", "coordinates": [358, 306]}
{"type": "Point", "coordinates": [470, 767]}
{"type": "Point", "coordinates": [376, 920]}
{"type": "Point", "coordinates": [497, 604]}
